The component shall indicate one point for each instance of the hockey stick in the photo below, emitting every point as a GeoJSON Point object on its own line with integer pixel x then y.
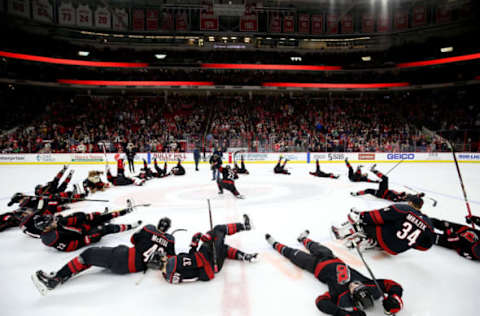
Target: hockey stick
{"type": "Point", "coordinates": [371, 273]}
{"type": "Point", "coordinates": [434, 204]}
{"type": "Point", "coordinates": [433, 134]}
{"type": "Point", "coordinates": [66, 198]}
{"type": "Point", "coordinates": [386, 173]}
{"type": "Point", "coordinates": [179, 230]}
{"type": "Point", "coordinates": [213, 239]}
{"type": "Point", "coordinates": [130, 205]}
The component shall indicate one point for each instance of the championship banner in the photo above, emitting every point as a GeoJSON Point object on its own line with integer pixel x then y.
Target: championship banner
{"type": "Point", "coordinates": [288, 24]}
{"type": "Point", "coordinates": [317, 24]}
{"type": "Point", "coordinates": [443, 14]}
{"type": "Point", "coordinates": [42, 11]}
{"type": "Point", "coordinates": [419, 15]}
{"type": "Point", "coordinates": [347, 24]}
{"type": "Point", "coordinates": [84, 15]}
{"type": "Point", "coordinates": [332, 23]}
{"type": "Point", "coordinates": [19, 8]}
{"type": "Point", "coordinates": [138, 19]}
{"type": "Point", "coordinates": [304, 23]}
{"type": "Point", "coordinates": [181, 21]}
{"type": "Point", "coordinates": [66, 14]}
{"type": "Point", "coordinates": [383, 23]}
{"type": "Point", "coordinates": [368, 23]}
{"type": "Point", "coordinates": [168, 22]}
{"type": "Point", "coordinates": [275, 24]}
{"type": "Point", "coordinates": [120, 20]}
{"type": "Point", "coordinates": [103, 18]}
{"type": "Point", "coordinates": [401, 20]}
{"type": "Point", "coordinates": [249, 23]}
{"type": "Point", "coordinates": [208, 19]}
{"type": "Point", "coordinates": [152, 19]}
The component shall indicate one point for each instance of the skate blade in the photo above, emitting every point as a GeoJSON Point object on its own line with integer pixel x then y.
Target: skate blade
{"type": "Point", "coordinates": [39, 285]}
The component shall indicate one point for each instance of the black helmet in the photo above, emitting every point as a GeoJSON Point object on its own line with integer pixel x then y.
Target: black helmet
{"type": "Point", "coordinates": [164, 224]}
{"type": "Point", "coordinates": [15, 198]}
{"type": "Point", "coordinates": [42, 221]}
{"type": "Point", "coordinates": [361, 296]}
{"type": "Point", "coordinates": [228, 167]}
{"type": "Point", "coordinates": [416, 200]}
{"type": "Point", "coordinates": [38, 189]}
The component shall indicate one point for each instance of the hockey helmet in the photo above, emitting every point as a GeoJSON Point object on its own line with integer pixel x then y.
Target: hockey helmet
{"type": "Point", "coordinates": [164, 224]}
{"type": "Point", "coordinates": [42, 221]}
{"type": "Point", "coordinates": [361, 296]}
{"type": "Point", "coordinates": [416, 200]}
{"type": "Point", "coordinates": [38, 189]}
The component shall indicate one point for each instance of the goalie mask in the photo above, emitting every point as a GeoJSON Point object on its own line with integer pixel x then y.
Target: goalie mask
{"type": "Point", "coordinates": [164, 224]}
{"type": "Point", "coordinates": [361, 296]}
{"type": "Point", "coordinates": [42, 221]}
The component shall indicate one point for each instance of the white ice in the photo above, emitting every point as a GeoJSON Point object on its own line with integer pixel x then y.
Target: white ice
{"type": "Point", "coordinates": [437, 282]}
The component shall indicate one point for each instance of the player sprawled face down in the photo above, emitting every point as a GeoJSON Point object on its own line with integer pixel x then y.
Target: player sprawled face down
{"type": "Point", "coordinates": [361, 297]}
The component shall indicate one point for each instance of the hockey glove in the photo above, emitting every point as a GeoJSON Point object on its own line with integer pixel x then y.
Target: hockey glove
{"type": "Point", "coordinates": [250, 257]}
{"type": "Point", "coordinates": [473, 219]}
{"type": "Point", "coordinates": [157, 260]}
{"type": "Point", "coordinates": [392, 304]}
{"type": "Point", "coordinates": [195, 240]}
{"type": "Point", "coordinates": [206, 237]}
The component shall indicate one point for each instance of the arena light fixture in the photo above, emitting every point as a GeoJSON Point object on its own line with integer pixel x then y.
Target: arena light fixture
{"type": "Point", "coordinates": [134, 83]}
{"type": "Point", "coordinates": [366, 58]}
{"type": "Point", "coordinates": [336, 85]}
{"type": "Point", "coordinates": [73, 62]}
{"type": "Point", "coordinates": [439, 61]}
{"type": "Point", "coordinates": [211, 39]}
{"type": "Point", "coordinates": [83, 53]}
{"type": "Point", "coordinates": [296, 58]}
{"type": "Point", "coordinates": [271, 67]}
{"type": "Point", "coordinates": [446, 49]}
{"type": "Point", "coordinates": [160, 56]}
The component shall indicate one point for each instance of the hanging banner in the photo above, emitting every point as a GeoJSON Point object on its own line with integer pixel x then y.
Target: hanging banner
{"type": "Point", "coordinates": [208, 19]}
{"type": "Point", "coordinates": [103, 18]}
{"type": "Point", "coordinates": [42, 11]}
{"type": "Point", "coordinates": [317, 24]}
{"type": "Point", "coordinates": [288, 24]}
{"type": "Point", "coordinates": [443, 14]}
{"type": "Point", "coordinates": [401, 20]}
{"type": "Point", "coordinates": [368, 23]}
{"type": "Point", "coordinates": [304, 23]}
{"type": "Point", "coordinates": [419, 15]}
{"type": "Point", "coordinates": [84, 15]}
{"type": "Point", "coordinates": [181, 21]}
{"type": "Point", "coordinates": [19, 8]}
{"type": "Point", "coordinates": [138, 19]}
{"type": "Point", "coordinates": [120, 19]}
{"type": "Point", "coordinates": [152, 19]}
{"type": "Point", "coordinates": [275, 24]}
{"type": "Point", "coordinates": [249, 20]}
{"type": "Point", "coordinates": [332, 23]}
{"type": "Point", "coordinates": [66, 14]}
{"type": "Point", "coordinates": [168, 22]}
{"type": "Point", "coordinates": [383, 23]}
{"type": "Point", "coordinates": [347, 24]}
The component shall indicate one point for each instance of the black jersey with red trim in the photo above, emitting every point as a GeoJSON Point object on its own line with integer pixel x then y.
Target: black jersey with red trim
{"type": "Point", "coordinates": [228, 175]}
{"type": "Point", "coordinates": [338, 275]}
{"type": "Point", "coordinates": [468, 242]}
{"type": "Point", "coordinates": [147, 241]}
{"type": "Point", "coordinates": [188, 267]}
{"type": "Point", "coordinates": [27, 223]}
{"type": "Point", "coordinates": [400, 227]}
{"type": "Point", "coordinates": [65, 238]}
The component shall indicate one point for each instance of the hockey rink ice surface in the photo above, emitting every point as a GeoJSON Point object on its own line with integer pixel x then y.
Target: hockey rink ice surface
{"type": "Point", "coordinates": [436, 283]}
